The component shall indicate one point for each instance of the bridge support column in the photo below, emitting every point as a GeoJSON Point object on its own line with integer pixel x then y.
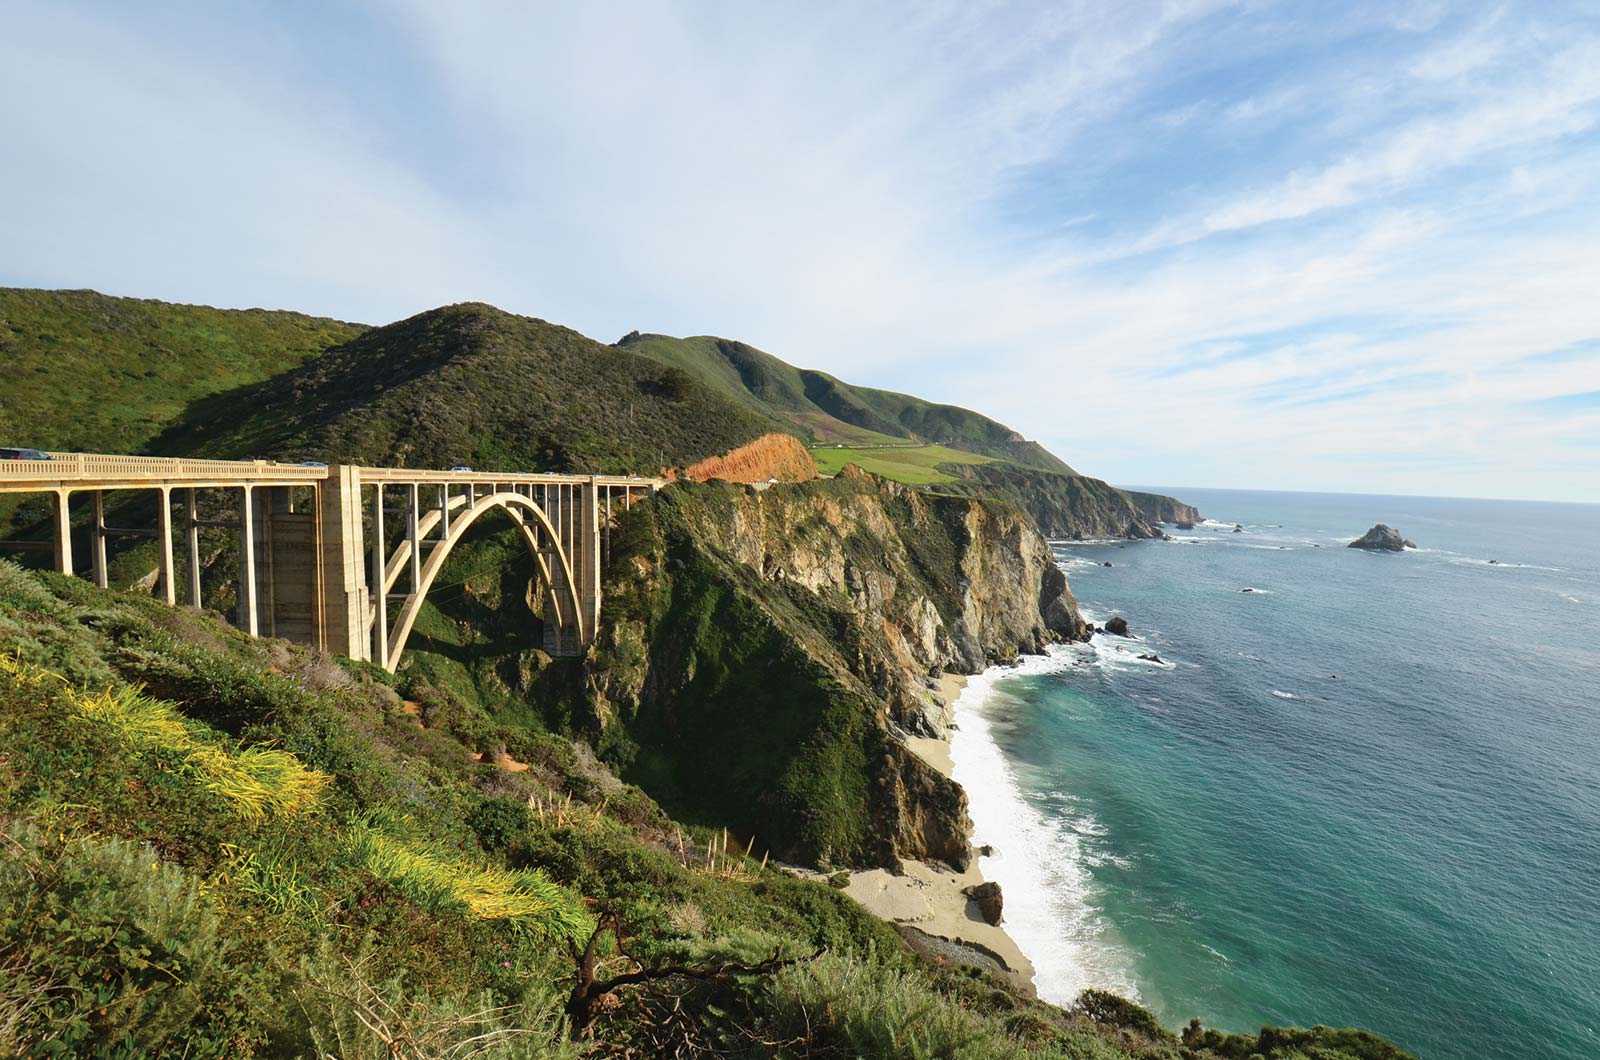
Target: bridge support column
{"type": "Point", "coordinates": [249, 616]}
{"type": "Point", "coordinates": [192, 540]}
{"type": "Point", "coordinates": [63, 532]}
{"type": "Point", "coordinates": [380, 589]}
{"type": "Point", "coordinates": [345, 607]}
{"type": "Point", "coordinates": [169, 588]}
{"type": "Point", "coordinates": [586, 556]}
{"type": "Point", "coordinates": [98, 541]}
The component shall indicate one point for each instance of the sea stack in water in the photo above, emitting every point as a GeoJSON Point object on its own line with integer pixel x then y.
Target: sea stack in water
{"type": "Point", "coordinates": [1382, 538]}
{"type": "Point", "coordinates": [1117, 625]}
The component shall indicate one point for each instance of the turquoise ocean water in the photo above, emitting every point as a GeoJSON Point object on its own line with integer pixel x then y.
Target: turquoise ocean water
{"type": "Point", "coordinates": [1237, 834]}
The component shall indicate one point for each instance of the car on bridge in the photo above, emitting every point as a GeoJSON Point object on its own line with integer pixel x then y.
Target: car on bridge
{"type": "Point", "coordinates": [461, 467]}
{"type": "Point", "coordinates": [16, 453]}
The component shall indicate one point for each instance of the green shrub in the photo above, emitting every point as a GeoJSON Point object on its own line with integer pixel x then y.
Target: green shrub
{"type": "Point", "coordinates": [498, 821]}
{"type": "Point", "coordinates": [126, 957]}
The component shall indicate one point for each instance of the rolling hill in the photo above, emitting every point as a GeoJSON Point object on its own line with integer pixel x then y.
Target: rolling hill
{"type": "Point", "coordinates": [471, 384]}
{"type": "Point", "coordinates": [821, 409]}
{"type": "Point", "coordinates": [80, 370]}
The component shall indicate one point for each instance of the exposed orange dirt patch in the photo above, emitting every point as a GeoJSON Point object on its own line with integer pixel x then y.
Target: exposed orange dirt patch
{"type": "Point", "coordinates": [506, 762]}
{"type": "Point", "coordinates": [778, 456]}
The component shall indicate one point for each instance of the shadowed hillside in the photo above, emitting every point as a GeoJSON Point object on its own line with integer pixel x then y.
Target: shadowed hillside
{"type": "Point", "coordinates": [471, 384]}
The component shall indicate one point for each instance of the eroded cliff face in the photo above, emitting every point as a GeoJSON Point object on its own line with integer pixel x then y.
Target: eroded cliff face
{"type": "Point", "coordinates": [792, 633]}
{"type": "Point", "coordinates": [1162, 509]}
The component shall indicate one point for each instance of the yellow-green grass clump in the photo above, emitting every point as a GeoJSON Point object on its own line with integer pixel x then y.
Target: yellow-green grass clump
{"type": "Point", "coordinates": [433, 875]}
{"type": "Point", "coordinates": [258, 782]}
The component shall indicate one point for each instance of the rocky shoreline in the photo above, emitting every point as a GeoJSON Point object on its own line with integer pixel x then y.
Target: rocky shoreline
{"type": "Point", "coordinates": [939, 911]}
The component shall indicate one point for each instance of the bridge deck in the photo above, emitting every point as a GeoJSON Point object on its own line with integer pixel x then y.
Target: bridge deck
{"type": "Point", "coordinates": [83, 471]}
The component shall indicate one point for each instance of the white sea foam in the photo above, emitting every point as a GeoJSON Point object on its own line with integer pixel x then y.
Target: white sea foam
{"type": "Point", "coordinates": [1284, 695]}
{"type": "Point", "coordinates": [1040, 861]}
{"type": "Point", "coordinates": [1461, 560]}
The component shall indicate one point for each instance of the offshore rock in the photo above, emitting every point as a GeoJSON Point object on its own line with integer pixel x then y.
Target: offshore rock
{"type": "Point", "coordinates": [1117, 625]}
{"type": "Point", "coordinates": [1381, 538]}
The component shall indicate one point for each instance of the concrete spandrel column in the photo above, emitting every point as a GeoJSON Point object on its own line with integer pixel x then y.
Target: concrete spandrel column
{"type": "Point", "coordinates": [380, 591]}
{"type": "Point", "coordinates": [413, 520]}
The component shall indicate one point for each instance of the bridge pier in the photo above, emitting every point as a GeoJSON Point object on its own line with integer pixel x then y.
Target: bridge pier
{"type": "Point", "coordinates": [169, 588]}
{"type": "Point", "coordinates": [192, 541]}
{"type": "Point", "coordinates": [346, 614]}
{"type": "Point", "coordinates": [248, 613]}
{"type": "Point", "coordinates": [63, 532]}
{"type": "Point", "coordinates": [97, 540]}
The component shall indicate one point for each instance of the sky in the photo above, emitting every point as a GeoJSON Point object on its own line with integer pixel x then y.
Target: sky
{"type": "Point", "coordinates": [1302, 245]}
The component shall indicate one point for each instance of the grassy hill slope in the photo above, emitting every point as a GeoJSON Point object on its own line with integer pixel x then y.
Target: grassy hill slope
{"type": "Point", "coordinates": [471, 384]}
{"type": "Point", "coordinates": [80, 370]}
{"type": "Point", "coordinates": [821, 408]}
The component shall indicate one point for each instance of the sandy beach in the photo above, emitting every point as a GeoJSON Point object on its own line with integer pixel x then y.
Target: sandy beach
{"type": "Point", "coordinates": [928, 897]}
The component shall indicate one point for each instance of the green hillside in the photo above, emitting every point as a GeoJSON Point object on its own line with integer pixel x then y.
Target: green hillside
{"type": "Point", "coordinates": [471, 384]}
{"type": "Point", "coordinates": [823, 409]}
{"type": "Point", "coordinates": [83, 371]}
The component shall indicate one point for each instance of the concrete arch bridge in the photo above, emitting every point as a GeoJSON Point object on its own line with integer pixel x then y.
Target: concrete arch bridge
{"type": "Point", "coordinates": [341, 557]}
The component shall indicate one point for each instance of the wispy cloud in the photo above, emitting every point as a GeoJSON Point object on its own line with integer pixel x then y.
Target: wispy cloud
{"type": "Point", "coordinates": [1210, 243]}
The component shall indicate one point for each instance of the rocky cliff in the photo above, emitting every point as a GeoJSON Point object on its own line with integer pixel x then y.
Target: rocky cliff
{"type": "Point", "coordinates": [1161, 509]}
{"type": "Point", "coordinates": [764, 651]}
{"type": "Point", "coordinates": [1070, 507]}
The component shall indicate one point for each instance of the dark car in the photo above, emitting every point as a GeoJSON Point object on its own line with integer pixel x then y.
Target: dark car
{"type": "Point", "coordinates": [24, 454]}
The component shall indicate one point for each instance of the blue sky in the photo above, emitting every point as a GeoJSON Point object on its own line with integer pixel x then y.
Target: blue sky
{"type": "Point", "coordinates": [1273, 245]}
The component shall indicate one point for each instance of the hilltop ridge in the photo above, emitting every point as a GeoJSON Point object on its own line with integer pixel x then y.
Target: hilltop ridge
{"type": "Point", "coordinates": [821, 408]}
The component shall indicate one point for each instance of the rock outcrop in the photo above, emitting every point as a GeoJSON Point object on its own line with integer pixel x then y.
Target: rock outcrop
{"type": "Point", "coordinates": [788, 635]}
{"type": "Point", "coordinates": [1117, 625]}
{"type": "Point", "coordinates": [1161, 509]}
{"type": "Point", "coordinates": [1382, 538]}
{"type": "Point", "coordinates": [1070, 507]}
{"type": "Point", "coordinates": [990, 902]}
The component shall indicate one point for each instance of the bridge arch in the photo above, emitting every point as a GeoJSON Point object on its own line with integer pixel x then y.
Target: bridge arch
{"type": "Point", "coordinates": [553, 564]}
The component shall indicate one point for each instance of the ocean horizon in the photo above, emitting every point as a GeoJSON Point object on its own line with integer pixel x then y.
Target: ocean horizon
{"type": "Point", "coordinates": [1321, 785]}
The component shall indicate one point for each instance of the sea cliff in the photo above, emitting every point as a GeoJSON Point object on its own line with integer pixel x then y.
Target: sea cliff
{"type": "Point", "coordinates": [1071, 507]}
{"type": "Point", "coordinates": [791, 636]}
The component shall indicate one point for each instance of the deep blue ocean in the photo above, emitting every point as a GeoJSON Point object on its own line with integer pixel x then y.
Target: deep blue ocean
{"type": "Point", "coordinates": [1365, 794]}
